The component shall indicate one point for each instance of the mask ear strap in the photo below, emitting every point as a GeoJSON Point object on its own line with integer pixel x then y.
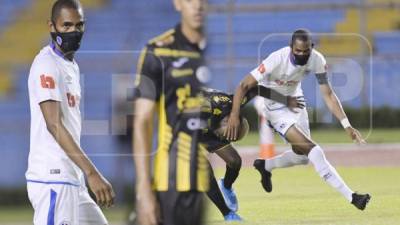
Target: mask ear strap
{"type": "Point", "coordinates": [55, 26]}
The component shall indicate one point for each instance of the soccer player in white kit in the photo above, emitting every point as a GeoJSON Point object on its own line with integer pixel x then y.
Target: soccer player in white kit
{"type": "Point", "coordinates": [283, 71]}
{"type": "Point", "coordinates": [57, 164]}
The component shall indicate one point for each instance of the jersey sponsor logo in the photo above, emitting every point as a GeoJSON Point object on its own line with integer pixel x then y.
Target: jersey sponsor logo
{"type": "Point", "coordinates": [47, 82]}
{"type": "Point", "coordinates": [181, 72]}
{"type": "Point", "coordinates": [71, 100]}
{"type": "Point", "coordinates": [261, 68]}
{"type": "Point", "coordinates": [65, 223]}
{"type": "Point", "coordinates": [180, 62]}
{"type": "Point", "coordinates": [68, 79]}
{"type": "Point", "coordinates": [185, 101]}
{"type": "Point", "coordinates": [55, 171]}
{"type": "Point", "coordinates": [221, 98]}
{"type": "Point", "coordinates": [217, 112]}
{"type": "Point", "coordinates": [286, 82]}
{"type": "Point", "coordinates": [203, 74]}
{"type": "Point", "coordinates": [196, 124]}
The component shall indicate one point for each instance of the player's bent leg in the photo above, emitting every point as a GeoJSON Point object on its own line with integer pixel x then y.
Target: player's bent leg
{"type": "Point", "coordinates": [233, 165]}
{"type": "Point", "coordinates": [300, 142]}
{"type": "Point", "coordinates": [286, 159]}
{"type": "Point", "coordinates": [54, 203]}
{"type": "Point", "coordinates": [89, 212]}
{"type": "Point", "coordinates": [217, 198]}
{"type": "Point", "coordinates": [215, 195]}
{"type": "Point", "coordinates": [317, 157]}
{"type": "Point", "coordinates": [259, 165]}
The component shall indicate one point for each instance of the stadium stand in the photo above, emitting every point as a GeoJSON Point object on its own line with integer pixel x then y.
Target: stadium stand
{"type": "Point", "coordinates": [118, 29]}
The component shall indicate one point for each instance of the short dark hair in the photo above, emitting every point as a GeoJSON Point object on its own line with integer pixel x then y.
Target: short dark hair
{"type": "Point", "coordinates": [302, 35]}
{"type": "Point", "coordinates": [60, 4]}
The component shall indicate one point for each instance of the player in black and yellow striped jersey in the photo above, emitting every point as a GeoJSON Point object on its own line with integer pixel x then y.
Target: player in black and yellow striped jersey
{"type": "Point", "coordinates": [220, 106]}
{"type": "Point", "coordinates": [167, 75]}
{"type": "Point", "coordinates": [171, 71]}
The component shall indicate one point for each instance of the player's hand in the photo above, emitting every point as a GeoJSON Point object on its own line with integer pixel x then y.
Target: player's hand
{"type": "Point", "coordinates": [232, 128]}
{"type": "Point", "coordinates": [147, 208]}
{"type": "Point", "coordinates": [294, 102]}
{"type": "Point", "coordinates": [355, 135]}
{"type": "Point", "coordinates": [102, 189]}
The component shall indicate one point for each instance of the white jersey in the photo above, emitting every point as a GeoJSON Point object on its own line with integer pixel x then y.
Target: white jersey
{"type": "Point", "coordinates": [259, 105]}
{"type": "Point", "coordinates": [279, 73]}
{"type": "Point", "coordinates": [53, 78]}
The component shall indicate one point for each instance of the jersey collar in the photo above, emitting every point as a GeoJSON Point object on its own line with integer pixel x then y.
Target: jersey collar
{"type": "Point", "coordinates": [183, 39]}
{"type": "Point", "coordinates": [58, 52]}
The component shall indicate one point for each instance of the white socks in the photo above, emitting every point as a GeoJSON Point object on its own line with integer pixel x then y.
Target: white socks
{"type": "Point", "coordinates": [286, 159]}
{"type": "Point", "coordinates": [328, 173]}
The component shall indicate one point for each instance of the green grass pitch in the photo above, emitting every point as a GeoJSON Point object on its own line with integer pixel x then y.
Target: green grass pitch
{"type": "Point", "coordinates": [335, 136]}
{"type": "Point", "coordinates": [299, 196]}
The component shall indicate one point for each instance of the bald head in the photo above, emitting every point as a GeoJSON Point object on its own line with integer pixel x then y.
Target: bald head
{"type": "Point", "coordinates": [61, 4]}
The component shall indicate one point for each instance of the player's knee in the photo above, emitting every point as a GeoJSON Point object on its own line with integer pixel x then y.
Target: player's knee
{"type": "Point", "coordinates": [297, 150]}
{"type": "Point", "coordinates": [235, 163]}
{"type": "Point", "coordinates": [303, 149]}
{"type": "Point", "coordinates": [302, 159]}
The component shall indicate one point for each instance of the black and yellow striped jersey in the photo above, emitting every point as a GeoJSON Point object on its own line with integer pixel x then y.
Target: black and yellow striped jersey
{"type": "Point", "coordinates": [220, 106]}
{"type": "Point", "coordinates": [220, 103]}
{"type": "Point", "coordinates": [171, 71]}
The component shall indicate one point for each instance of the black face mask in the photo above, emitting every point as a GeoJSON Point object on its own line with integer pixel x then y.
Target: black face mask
{"type": "Point", "coordinates": [68, 42]}
{"type": "Point", "coordinates": [301, 60]}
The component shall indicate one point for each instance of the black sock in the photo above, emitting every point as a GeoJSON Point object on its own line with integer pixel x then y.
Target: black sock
{"type": "Point", "coordinates": [216, 196]}
{"type": "Point", "coordinates": [230, 176]}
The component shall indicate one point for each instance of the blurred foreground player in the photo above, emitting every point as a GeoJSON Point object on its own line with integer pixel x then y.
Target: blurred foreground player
{"type": "Point", "coordinates": [171, 71]}
{"type": "Point", "coordinates": [57, 164]}
{"type": "Point", "coordinates": [283, 71]}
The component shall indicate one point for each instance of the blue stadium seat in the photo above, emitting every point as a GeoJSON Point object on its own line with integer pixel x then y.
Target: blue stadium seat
{"type": "Point", "coordinates": [387, 42]}
{"type": "Point", "coordinates": [9, 11]}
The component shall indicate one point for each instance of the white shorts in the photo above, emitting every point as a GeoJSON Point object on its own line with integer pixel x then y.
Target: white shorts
{"type": "Point", "coordinates": [59, 203]}
{"type": "Point", "coordinates": [281, 119]}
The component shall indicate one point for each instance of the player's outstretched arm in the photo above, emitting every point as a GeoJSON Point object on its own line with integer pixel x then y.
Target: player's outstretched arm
{"type": "Point", "coordinates": [97, 183]}
{"type": "Point", "coordinates": [290, 101]}
{"type": "Point", "coordinates": [233, 122]}
{"type": "Point", "coordinates": [336, 108]}
{"type": "Point", "coordinates": [147, 208]}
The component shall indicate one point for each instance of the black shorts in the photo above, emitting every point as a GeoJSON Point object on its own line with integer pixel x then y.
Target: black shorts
{"type": "Point", "coordinates": [181, 208]}
{"type": "Point", "coordinates": [213, 143]}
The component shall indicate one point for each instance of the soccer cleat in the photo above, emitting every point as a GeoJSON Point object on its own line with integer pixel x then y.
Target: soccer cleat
{"type": "Point", "coordinates": [232, 216]}
{"type": "Point", "coordinates": [229, 196]}
{"type": "Point", "coordinates": [360, 201]}
{"type": "Point", "coordinates": [266, 182]}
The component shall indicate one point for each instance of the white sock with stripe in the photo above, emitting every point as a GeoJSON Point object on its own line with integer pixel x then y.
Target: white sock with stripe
{"type": "Point", "coordinates": [328, 173]}
{"type": "Point", "coordinates": [286, 159]}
